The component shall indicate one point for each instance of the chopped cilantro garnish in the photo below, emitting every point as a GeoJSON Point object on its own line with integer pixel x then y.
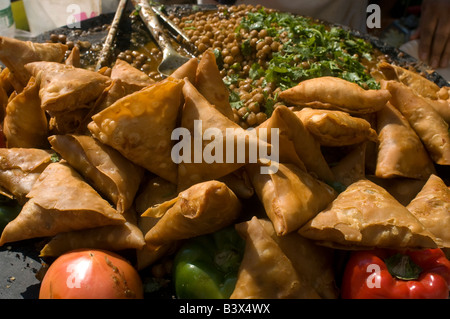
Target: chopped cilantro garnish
{"type": "Point", "coordinates": [329, 51]}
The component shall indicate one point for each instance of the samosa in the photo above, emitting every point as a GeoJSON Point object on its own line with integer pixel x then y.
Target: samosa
{"type": "Point", "coordinates": [425, 121]}
{"type": "Point", "coordinates": [210, 84]}
{"type": "Point", "coordinates": [20, 168]}
{"type": "Point", "coordinates": [66, 88]}
{"type": "Point", "coordinates": [281, 267]}
{"type": "Point", "coordinates": [15, 54]}
{"type": "Point", "coordinates": [140, 126]}
{"type": "Point", "coordinates": [432, 207]}
{"type": "Point", "coordinates": [366, 216]}
{"type": "Point", "coordinates": [25, 124]}
{"type": "Point", "coordinates": [334, 93]}
{"type": "Point", "coordinates": [400, 151]}
{"type": "Point", "coordinates": [111, 174]}
{"type": "Point", "coordinates": [290, 196]}
{"type": "Point", "coordinates": [60, 201]}
{"type": "Point", "coordinates": [201, 209]}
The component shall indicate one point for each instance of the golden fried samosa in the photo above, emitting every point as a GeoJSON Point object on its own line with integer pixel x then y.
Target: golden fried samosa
{"type": "Point", "coordinates": [412, 79]}
{"type": "Point", "coordinates": [108, 172]}
{"type": "Point", "coordinates": [426, 122]}
{"type": "Point", "coordinates": [313, 262]}
{"type": "Point", "coordinates": [20, 168]}
{"type": "Point", "coordinates": [154, 192]}
{"type": "Point", "coordinates": [25, 124]}
{"type": "Point", "coordinates": [266, 272]}
{"type": "Point", "coordinates": [290, 196]}
{"type": "Point", "coordinates": [337, 94]}
{"type": "Point", "coordinates": [336, 128]}
{"type": "Point", "coordinates": [442, 107]}
{"type": "Point", "coordinates": [432, 207]}
{"type": "Point", "coordinates": [5, 84]}
{"type": "Point", "coordinates": [187, 70]}
{"type": "Point", "coordinates": [111, 237]}
{"type": "Point", "coordinates": [74, 57]}
{"type": "Point", "coordinates": [206, 157]}
{"type": "Point", "coordinates": [201, 209]}
{"type": "Point", "coordinates": [366, 216]}
{"type": "Point", "coordinates": [140, 126]}
{"type": "Point", "coordinates": [60, 201]}
{"type": "Point", "coordinates": [15, 54]}
{"type": "Point", "coordinates": [126, 79]}
{"type": "Point", "coordinates": [210, 84]}
{"type": "Point", "coordinates": [65, 87]}
{"type": "Point", "coordinates": [135, 79]}
{"type": "Point", "coordinates": [287, 127]}
{"type": "Point", "coordinates": [400, 151]}
{"type": "Point", "coordinates": [306, 146]}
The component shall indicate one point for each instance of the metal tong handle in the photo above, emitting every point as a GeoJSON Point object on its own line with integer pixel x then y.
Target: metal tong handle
{"type": "Point", "coordinates": [152, 23]}
{"type": "Point", "coordinates": [172, 25]}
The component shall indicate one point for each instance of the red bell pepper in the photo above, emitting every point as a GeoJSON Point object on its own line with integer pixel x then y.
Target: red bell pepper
{"type": "Point", "coordinates": [385, 274]}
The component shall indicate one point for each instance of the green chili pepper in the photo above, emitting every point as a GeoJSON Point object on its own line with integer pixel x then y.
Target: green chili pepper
{"type": "Point", "coordinates": [206, 267]}
{"type": "Point", "coordinates": [9, 209]}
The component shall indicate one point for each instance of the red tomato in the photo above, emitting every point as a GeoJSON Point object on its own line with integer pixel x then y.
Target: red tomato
{"type": "Point", "coordinates": [91, 274]}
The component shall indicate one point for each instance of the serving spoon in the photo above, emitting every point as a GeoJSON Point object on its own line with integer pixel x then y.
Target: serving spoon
{"type": "Point", "coordinates": [172, 60]}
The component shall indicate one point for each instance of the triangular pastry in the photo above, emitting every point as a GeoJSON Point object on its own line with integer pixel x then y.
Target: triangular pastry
{"type": "Point", "coordinates": [15, 54]}
{"type": "Point", "coordinates": [366, 216]}
{"type": "Point", "coordinates": [266, 272]}
{"type": "Point", "coordinates": [293, 132]}
{"type": "Point", "coordinates": [336, 128]}
{"type": "Point", "coordinates": [210, 84]}
{"type": "Point", "coordinates": [432, 207]}
{"type": "Point", "coordinates": [201, 209]}
{"type": "Point", "coordinates": [25, 124]}
{"type": "Point", "coordinates": [20, 168]}
{"type": "Point", "coordinates": [425, 121]}
{"type": "Point", "coordinates": [290, 196]}
{"type": "Point", "coordinates": [400, 151]}
{"type": "Point", "coordinates": [65, 87]}
{"type": "Point", "coordinates": [111, 237]}
{"type": "Point", "coordinates": [107, 171]}
{"type": "Point", "coordinates": [140, 126]}
{"type": "Point", "coordinates": [60, 201]}
{"type": "Point", "coordinates": [334, 93]}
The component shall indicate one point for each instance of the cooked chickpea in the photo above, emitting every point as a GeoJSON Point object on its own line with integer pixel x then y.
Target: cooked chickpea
{"type": "Point", "coordinates": [228, 59]}
{"type": "Point", "coordinates": [261, 117]}
{"type": "Point", "coordinates": [262, 34]}
{"type": "Point", "coordinates": [254, 107]}
{"type": "Point", "coordinates": [242, 111]}
{"type": "Point", "coordinates": [251, 119]}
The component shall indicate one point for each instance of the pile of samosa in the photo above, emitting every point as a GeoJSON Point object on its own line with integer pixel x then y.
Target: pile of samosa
{"type": "Point", "coordinates": [90, 157]}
